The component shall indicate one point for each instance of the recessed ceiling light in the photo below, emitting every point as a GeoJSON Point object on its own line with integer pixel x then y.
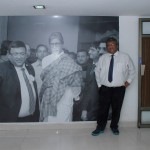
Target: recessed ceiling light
{"type": "Point", "coordinates": [39, 7]}
{"type": "Point", "coordinates": [56, 16]}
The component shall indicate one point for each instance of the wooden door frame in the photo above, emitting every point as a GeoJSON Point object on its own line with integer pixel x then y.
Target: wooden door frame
{"type": "Point", "coordinates": [140, 109]}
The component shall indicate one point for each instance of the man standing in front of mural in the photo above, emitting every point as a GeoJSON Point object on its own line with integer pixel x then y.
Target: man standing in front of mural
{"type": "Point", "coordinates": [18, 91]}
{"type": "Point", "coordinates": [61, 83]}
{"type": "Point", "coordinates": [114, 73]}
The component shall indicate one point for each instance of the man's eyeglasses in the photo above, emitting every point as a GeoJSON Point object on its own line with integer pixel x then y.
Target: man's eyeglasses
{"type": "Point", "coordinates": [111, 44]}
{"type": "Point", "coordinates": [18, 54]}
{"type": "Point", "coordinates": [55, 44]}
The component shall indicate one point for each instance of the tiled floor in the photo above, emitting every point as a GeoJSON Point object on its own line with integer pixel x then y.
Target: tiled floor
{"type": "Point", "coordinates": [130, 138]}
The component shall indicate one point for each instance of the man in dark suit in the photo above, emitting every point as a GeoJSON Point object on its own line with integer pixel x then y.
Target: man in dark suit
{"type": "Point", "coordinates": [90, 99]}
{"type": "Point", "coordinates": [18, 102]}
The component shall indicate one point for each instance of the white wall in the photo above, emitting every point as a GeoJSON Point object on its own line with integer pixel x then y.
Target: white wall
{"type": "Point", "coordinates": [128, 42]}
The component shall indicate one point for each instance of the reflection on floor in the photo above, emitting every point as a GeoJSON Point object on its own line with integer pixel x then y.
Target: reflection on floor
{"type": "Point", "coordinates": [130, 138]}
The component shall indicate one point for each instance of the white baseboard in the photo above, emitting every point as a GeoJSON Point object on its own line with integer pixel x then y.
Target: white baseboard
{"type": "Point", "coordinates": [70, 125]}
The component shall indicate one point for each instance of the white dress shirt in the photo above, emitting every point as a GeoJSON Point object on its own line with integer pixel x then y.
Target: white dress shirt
{"type": "Point", "coordinates": [123, 70]}
{"type": "Point", "coordinates": [24, 110]}
{"type": "Point", "coordinates": [38, 69]}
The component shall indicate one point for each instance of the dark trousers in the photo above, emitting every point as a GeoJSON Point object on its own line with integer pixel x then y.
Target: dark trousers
{"type": "Point", "coordinates": [110, 96]}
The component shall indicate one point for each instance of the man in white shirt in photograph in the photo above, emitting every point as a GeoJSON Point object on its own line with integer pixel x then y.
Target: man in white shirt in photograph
{"type": "Point", "coordinates": [18, 91]}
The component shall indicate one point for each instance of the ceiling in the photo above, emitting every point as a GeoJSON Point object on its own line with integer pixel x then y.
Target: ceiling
{"type": "Point", "coordinates": [76, 7]}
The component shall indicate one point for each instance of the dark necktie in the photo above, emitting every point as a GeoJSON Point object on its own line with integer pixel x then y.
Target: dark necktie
{"type": "Point", "coordinates": [110, 73]}
{"type": "Point", "coordinates": [31, 95]}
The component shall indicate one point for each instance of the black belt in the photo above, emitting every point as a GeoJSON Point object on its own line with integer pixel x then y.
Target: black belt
{"type": "Point", "coordinates": [113, 86]}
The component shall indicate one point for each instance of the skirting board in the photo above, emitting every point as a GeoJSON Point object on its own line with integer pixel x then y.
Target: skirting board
{"type": "Point", "coordinates": [70, 125]}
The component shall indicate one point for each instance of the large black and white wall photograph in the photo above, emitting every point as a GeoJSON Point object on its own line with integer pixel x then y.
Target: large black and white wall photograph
{"type": "Point", "coordinates": [47, 67]}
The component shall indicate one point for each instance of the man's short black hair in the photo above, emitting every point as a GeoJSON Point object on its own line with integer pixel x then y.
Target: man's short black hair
{"type": "Point", "coordinates": [16, 44]}
{"type": "Point", "coordinates": [95, 44]}
{"type": "Point", "coordinates": [82, 50]}
{"type": "Point", "coordinates": [5, 47]}
{"type": "Point", "coordinates": [112, 39]}
{"type": "Point", "coordinates": [41, 45]}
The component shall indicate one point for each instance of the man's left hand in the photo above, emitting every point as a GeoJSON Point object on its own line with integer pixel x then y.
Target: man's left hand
{"type": "Point", "coordinates": [126, 84]}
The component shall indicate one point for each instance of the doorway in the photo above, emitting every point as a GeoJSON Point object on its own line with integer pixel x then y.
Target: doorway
{"type": "Point", "coordinates": [144, 73]}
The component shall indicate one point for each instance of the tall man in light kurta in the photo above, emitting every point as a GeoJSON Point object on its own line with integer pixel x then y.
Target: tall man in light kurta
{"type": "Point", "coordinates": [61, 83]}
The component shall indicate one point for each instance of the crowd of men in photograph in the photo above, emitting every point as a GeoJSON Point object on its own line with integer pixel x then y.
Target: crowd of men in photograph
{"type": "Point", "coordinates": [49, 83]}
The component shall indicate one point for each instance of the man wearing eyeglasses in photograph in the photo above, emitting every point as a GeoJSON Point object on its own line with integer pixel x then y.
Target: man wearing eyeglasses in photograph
{"type": "Point", "coordinates": [18, 91]}
{"type": "Point", "coordinates": [61, 78]}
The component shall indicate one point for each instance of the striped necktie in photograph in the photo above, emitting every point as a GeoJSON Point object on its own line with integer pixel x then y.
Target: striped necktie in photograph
{"type": "Point", "coordinates": [30, 90]}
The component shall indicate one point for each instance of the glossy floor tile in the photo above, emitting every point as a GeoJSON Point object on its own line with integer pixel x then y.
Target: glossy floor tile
{"type": "Point", "coordinates": [130, 138]}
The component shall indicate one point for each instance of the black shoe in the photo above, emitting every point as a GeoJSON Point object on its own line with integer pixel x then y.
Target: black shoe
{"type": "Point", "coordinates": [97, 131]}
{"type": "Point", "coordinates": [115, 131]}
